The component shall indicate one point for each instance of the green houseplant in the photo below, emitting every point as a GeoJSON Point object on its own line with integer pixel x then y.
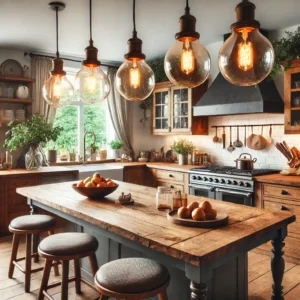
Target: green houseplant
{"type": "Point", "coordinates": [32, 134]}
{"type": "Point", "coordinates": [116, 145]}
{"type": "Point", "coordinates": [183, 148]}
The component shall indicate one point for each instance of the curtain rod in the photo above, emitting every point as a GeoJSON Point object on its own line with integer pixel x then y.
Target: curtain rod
{"type": "Point", "coordinates": [69, 59]}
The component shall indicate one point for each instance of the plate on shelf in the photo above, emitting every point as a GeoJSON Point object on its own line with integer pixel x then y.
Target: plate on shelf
{"type": "Point", "coordinates": [11, 67]}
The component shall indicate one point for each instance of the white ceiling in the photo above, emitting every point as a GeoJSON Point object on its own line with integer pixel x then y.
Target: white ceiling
{"type": "Point", "coordinates": [30, 24]}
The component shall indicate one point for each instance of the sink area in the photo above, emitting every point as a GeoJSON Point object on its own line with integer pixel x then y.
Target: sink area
{"type": "Point", "coordinates": [106, 170]}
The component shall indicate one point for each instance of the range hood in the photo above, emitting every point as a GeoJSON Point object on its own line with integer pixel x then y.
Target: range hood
{"type": "Point", "coordinates": [224, 98]}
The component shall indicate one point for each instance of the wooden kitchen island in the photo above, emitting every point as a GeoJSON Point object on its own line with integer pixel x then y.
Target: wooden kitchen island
{"type": "Point", "coordinates": [203, 263]}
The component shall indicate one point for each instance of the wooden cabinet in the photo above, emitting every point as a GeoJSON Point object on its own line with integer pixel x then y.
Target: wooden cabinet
{"type": "Point", "coordinates": [173, 110]}
{"type": "Point", "coordinates": [292, 99]}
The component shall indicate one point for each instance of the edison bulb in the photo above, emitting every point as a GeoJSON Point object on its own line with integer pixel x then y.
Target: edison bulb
{"type": "Point", "coordinates": [247, 57]}
{"type": "Point", "coordinates": [135, 79]}
{"type": "Point", "coordinates": [91, 84]}
{"type": "Point", "coordinates": [187, 63]}
{"type": "Point", "coordinates": [58, 91]}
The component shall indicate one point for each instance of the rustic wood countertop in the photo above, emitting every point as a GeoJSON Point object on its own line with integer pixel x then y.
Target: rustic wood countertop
{"type": "Point", "coordinates": [279, 179]}
{"type": "Point", "coordinates": [143, 224]}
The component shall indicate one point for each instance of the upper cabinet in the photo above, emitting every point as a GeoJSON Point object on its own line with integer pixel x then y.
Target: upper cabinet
{"type": "Point", "coordinates": [292, 99]}
{"type": "Point", "coordinates": [173, 110]}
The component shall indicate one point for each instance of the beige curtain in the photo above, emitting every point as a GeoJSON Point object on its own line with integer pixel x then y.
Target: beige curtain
{"type": "Point", "coordinates": [117, 106]}
{"type": "Point", "coordinates": [40, 68]}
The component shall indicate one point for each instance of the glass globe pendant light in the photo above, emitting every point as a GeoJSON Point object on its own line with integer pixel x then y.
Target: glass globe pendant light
{"type": "Point", "coordinates": [187, 63]}
{"type": "Point", "coordinates": [91, 84]}
{"type": "Point", "coordinates": [135, 79]}
{"type": "Point", "coordinates": [246, 58]}
{"type": "Point", "coordinates": [58, 90]}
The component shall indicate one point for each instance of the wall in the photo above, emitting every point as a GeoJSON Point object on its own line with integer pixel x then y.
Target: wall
{"type": "Point", "coordinates": [142, 139]}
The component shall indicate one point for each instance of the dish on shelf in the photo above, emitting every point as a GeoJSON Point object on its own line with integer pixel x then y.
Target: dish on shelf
{"type": "Point", "coordinates": [142, 159]}
{"type": "Point", "coordinates": [11, 67]}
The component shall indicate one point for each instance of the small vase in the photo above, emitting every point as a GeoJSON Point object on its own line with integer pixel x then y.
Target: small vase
{"type": "Point", "coordinates": [94, 156]}
{"type": "Point", "coordinates": [116, 153]}
{"type": "Point", "coordinates": [103, 154]}
{"type": "Point", "coordinates": [33, 159]}
{"type": "Point", "coordinates": [52, 155]}
{"type": "Point", "coordinates": [182, 159]}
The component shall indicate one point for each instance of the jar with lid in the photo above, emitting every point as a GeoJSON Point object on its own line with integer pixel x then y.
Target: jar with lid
{"type": "Point", "coordinates": [164, 198]}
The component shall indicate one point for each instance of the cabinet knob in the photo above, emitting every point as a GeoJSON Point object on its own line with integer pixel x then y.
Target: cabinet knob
{"type": "Point", "coordinates": [170, 175]}
{"type": "Point", "coordinates": [282, 207]}
{"type": "Point", "coordinates": [283, 192]}
{"type": "Point", "coordinates": [172, 187]}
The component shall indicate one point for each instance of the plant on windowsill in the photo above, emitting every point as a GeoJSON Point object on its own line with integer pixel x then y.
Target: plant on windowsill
{"type": "Point", "coordinates": [93, 149]}
{"type": "Point", "coordinates": [33, 134]}
{"type": "Point", "coordinates": [183, 148]}
{"type": "Point", "coordinates": [52, 152]}
{"type": "Point", "coordinates": [116, 146]}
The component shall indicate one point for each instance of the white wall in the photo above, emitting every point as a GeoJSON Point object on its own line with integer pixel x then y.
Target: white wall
{"type": "Point", "coordinates": [270, 158]}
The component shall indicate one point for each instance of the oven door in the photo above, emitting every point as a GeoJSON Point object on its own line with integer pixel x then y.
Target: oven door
{"type": "Point", "coordinates": [234, 196]}
{"type": "Point", "coordinates": [202, 191]}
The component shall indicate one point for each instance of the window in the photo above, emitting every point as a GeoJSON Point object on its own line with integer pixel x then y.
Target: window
{"type": "Point", "coordinates": [78, 118]}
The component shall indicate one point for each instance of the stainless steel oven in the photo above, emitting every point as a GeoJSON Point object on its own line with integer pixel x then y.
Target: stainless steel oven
{"type": "Point", "coordinates": [235, 196]}
{"type": "Point", "coordinates": [202, 191]}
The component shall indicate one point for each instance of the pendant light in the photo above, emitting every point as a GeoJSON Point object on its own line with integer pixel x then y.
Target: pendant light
{"type": "Point", "coordinates": [135, 80]}
{"type": "Point", "coordinates": [91, 84]}
{"type": "Point", "coordinates": [247, 57]}
{"type": "Point", "coordinates": [187, 63]}
{"type": "Point", "coordinates": [58, 90]}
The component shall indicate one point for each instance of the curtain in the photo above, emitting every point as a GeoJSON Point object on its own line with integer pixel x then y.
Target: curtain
{"type": "Point", "coordinates": [118, 111]}
{"type": "Point", "coordinates": [40, 68]}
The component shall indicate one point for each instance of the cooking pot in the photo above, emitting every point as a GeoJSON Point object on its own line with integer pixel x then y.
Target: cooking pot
{"type": "Point", "coordinates": [245, 163]}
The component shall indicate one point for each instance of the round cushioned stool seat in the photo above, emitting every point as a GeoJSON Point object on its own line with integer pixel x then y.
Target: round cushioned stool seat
{"type": "Point", "coordinates": [71, 243]}
{"type": "Point", "coordinates": [132, 275]}
{"type": "Point", "coordinates": [32, 222]}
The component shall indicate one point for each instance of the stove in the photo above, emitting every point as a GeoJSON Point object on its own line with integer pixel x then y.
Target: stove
{"type": "Point", "coordinates": [225, 183]}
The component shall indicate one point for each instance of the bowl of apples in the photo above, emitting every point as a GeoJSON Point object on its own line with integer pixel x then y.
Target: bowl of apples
{"type": "Point", "coordinates": [95, 187]}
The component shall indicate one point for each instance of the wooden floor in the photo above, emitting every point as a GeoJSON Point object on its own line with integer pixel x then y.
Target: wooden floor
{"type": "Point", "coordinates": [259, 278]}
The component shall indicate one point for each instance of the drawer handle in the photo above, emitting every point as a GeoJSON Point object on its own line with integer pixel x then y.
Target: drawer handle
{"type": "Point", "coordinates": [283, 192]}
{"type": "Point", "coordinates": [172, 187]}
{"type": "Point", "coordinates": [282, 207]}
{"type": "Point", "coordinates": [170, 175]}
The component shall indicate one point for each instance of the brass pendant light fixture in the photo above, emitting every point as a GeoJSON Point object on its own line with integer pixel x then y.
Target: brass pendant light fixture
{"type": "Point", "coordinates": [58, 90]}
{"type": "Point", "coordinates": [135, 79]}
{"type": "Point", "coordinates": [187, 63]}
{"type": "Point", "coordinates": [91, 84]}
{"type": "Point", "coordinates": [247, 57]}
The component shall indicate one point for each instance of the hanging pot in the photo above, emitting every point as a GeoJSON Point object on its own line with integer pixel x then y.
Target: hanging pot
{"type": "Point", "coordinates": [243, 163]}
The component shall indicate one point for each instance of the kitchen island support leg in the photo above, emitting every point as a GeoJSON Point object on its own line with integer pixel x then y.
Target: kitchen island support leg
{"type": "Point", "coordinates": [199, 291]}
{"type": "Point", "coordinates": [278, 264]}
{"type": "Point", "coordinates": [35, 237]}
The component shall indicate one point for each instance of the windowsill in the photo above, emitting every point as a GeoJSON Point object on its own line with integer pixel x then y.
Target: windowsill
{"type": "Point", "coordinates": [74, 163]}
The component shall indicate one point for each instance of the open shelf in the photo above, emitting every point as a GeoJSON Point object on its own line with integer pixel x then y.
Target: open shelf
{"type": "Point", "coordinates": [295, 90]}
{"type": "Point", "coordinates": [295, 108]}
{"type": "Point", "coordinates": [16, 79]}
{"type": "Point", "coordinates": [16, 100]}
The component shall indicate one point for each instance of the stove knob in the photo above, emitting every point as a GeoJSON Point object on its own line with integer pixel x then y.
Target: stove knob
{"type": "Point", "coordinates": [228, 181]}
{"type": "Point", "coordinates": [216, 180]}
{"type": "Point", "coordinates": [234, 182]}
{"type": "Point", "coordinates": [205, 179]}
{"type": "Point", "coordinates": [222, 181]}
{"type": "Point", "coordinates": [194, 177]}
{"type": "Point", "coordinates": [199, 178]}
{"type": "Point", "coordinates": [241, 183]}
{"type": "Point", "coordinates": [247, 184]}
{"type": "Point", "coordinates": [210, 180]}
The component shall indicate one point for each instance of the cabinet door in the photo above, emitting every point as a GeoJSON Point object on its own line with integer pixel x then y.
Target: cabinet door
{"type": "Point", "coordinates": [181, 110]}
{"type": "Point", "coordinates": [161, 112]}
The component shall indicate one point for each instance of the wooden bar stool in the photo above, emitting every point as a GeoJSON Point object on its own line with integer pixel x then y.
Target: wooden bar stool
{"type": "Point", "coordinates": [132, 279]}
{"type": "Point", "coordinates": [28, 225]}
{"type": "Point", "coordinates": [65, 247]}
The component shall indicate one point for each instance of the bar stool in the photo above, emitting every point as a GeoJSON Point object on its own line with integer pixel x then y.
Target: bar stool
{"type": "Point", "coordinates": [132, 279]}
{"type": "Point", "coordinates": [28, 225]}
{"type": "Point", "coordinates": [65, 247]}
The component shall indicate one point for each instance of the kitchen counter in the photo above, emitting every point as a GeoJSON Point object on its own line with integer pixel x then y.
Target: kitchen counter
{"type": "Point", "coordinates": [279, 179]}
{"type": "Point", "coordinates": [204, 256]}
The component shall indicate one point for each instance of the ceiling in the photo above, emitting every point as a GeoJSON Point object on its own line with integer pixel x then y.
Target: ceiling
{"type": "Point", "coordinates": [30, 24]}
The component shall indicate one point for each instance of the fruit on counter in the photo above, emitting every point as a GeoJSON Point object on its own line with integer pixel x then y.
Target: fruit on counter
{"type": "Point", "coordinates": [206, 206]}
{"type": "Point", "coordinates": [211, 214]}
{"type": "Point", "coordinates": [110, 183]}
{"type": "Point", "coordinates": [192, 206]}
{"type": "Point", "coordinates": [81, 184]}
{"type": "Point", "coordinates": [97, 175]}
{"type": "Point", "coordinates": [183, 212]}
{"type": "Point", "coordinates": [90, 184]}
{"type": "Point", "coordinates": [96, 182]}
{"type": "Point", "coordinates": [198, 214]}
{"type": "Point", "coordinates": [87, 180]}
{"type": "Point", "coordinates": [101, 184]}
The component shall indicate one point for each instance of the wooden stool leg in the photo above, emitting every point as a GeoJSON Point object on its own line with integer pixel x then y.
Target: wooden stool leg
{"type": "Point", "coordinates": [28, 263]}
{"type": "Point", "coordinates": [77, 276]}
{"type": "Point", "coordinates": [56, 270]}
{"type": "Point", "coordinates": [45, 279]}
{"type": "Point", "coordinates": [35, 244]}
{"type": "Point", "coordinates": [163, 296]}
{"type": "Point", "coordinates": [14, 252]}
{"type": "Point", "coordinates": [94, 264]}
{"type": "Point", "coordinates": [65, 280]}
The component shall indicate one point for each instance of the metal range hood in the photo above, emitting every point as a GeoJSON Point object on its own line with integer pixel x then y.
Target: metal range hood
{"type": "Point", "coordinates": [224, 98]}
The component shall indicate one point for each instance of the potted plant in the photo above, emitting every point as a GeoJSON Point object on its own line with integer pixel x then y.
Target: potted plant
{"type": "Point", "coordinates": [183, 148]}
{"type": "Point", "coordinates": [93, 149]}
{"type": "Point", "coordinates": [32, 134]}
{"type": "Point", "coordinates": [116, 146]}
{"type": "Point", "coordinates": [52, 152]}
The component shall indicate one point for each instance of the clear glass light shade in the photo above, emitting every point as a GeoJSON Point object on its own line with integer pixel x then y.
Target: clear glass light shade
{"type": "Point", "coordinates": [135, 80]}
{"type": "Point", "coordinates": [246, 58]}
{"type": "Point", "coordinates": [92, 85]}
{"type": "Point", "coordinates": [187, 63]}
{"type": "Point", "coordinates": [58, 91]}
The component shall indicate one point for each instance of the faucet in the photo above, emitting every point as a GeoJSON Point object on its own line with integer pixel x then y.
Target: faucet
{"type": "Point", "coordinates": [84, 148]}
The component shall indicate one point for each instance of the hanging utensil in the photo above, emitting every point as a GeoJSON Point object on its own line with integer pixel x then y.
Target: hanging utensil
{"type": "Point", "coordinates": [238, 143]}
{"type": "Point", "coordinates": [250, 139]}
{"type": "Point", "coordinates": [270, 135]}
{"type": "Point", "coordinates": [230, 147]}
{"type": "Point", "coordinates": [223, 137]}
{"type": "Point", "coordinates": [245, 137]}
{"type": "Point", "coordinates": [259, 142]}
{"type": "Point", "coordinates": [216, 139]}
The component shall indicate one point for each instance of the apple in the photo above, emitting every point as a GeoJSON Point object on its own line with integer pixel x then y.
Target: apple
{"type": "Point", "coordinates": [96, 180]}
{"type": "Point", "coordinates": [90, 185]}
{"type": "Point", "coordinates": [80, 184]}
{"type": "Point", "coordinates": [87, 180]}
{"type": "Point", "coordinates": [97, 175]}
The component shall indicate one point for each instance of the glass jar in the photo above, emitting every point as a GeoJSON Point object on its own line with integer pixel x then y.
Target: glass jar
{"type": "Point", "coordinates": [164, 198]}
{"type": "Point", "coordinates": [177, 202]}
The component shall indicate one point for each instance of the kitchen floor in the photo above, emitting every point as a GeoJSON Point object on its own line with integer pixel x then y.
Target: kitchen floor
{"type": "Point", "coordinates": [259, 276]}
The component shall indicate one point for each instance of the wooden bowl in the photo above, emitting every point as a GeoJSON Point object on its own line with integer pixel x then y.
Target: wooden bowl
{"type": "Point", "coordinates": [95, 193]}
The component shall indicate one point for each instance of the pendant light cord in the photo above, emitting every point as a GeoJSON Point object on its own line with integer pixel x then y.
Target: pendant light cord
{"type": "Point", "coordinates": [91, 36]}
{"type": "Point", "coordinates": [133, 17]}
{"type": "Point", "coordinates": [187, 8]}
{"type": "Point", "coordinates": [56, 11]}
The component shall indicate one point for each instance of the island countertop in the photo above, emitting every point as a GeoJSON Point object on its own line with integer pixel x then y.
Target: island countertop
{"type": "Point", "coordinates": [143, 224]}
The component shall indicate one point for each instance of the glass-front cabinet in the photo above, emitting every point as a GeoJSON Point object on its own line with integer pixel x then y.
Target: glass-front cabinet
{"type": "Point", "coordinates": [172, 110]}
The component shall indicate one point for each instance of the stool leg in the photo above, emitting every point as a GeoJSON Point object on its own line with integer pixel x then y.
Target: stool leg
{"type": "Point", "coordinates": [14, 252]}
{"type": "Point", "coordinates": [65, 280]}
{"type": "Point", "coordinates": [45, 279]}
{"type": "Point", "coordinates": [28, 263]}
{"type": "Point", "coordinates": [56, 271]}
{"type": "Point", "coordinates": [35, 244]}
{"type": "Point", "coordinates": [77, 276]}
{"type": "Point", "coordinates": [94, 264]}
{"type": "Point", "coordinates": [163, 296]}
